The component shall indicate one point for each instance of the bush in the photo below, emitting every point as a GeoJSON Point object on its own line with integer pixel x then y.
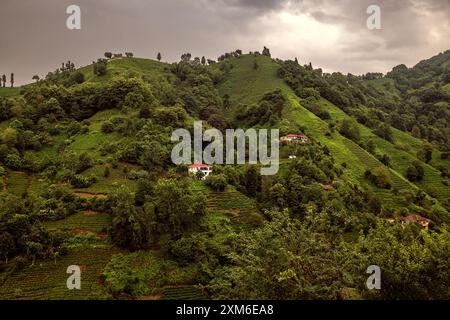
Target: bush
{"type": "Point", "coordinates": [137, 174]}
{"type": "Point", "coordinates": [380, 177]}
{"type": "Point", "coordinates": [107, 127]}
{"type": "Point", "coordinates": [217, 182]}
{"type": "Point", "coordinates": [415, 172]}
{"type": "Point", "coordinates": [106, 172]}
{"type": "Point", "coordinates": [80, 181]}
{"type": "Point", "coordinates": [350, 130]}
{"type": "Point", "coordinates": [13, 161]}
{"type": "Point", "coordinates": [84, 162]}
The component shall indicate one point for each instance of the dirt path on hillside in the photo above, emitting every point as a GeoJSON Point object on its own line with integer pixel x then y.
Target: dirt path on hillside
{"type": "Point", "coordinates": [90, 212]}
{"type": "Point", "coordinates": [91, 195]}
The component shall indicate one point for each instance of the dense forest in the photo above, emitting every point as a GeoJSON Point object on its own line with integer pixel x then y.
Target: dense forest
{"type": "Point", "coordinates": [86, 178]}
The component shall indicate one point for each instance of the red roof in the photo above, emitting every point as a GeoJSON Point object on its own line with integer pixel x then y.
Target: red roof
{"type": "Point", "coordinates": [327, 187]}
{"type": "Point", "coordinates": [414, 218]}
{"type": "Point", "coordinates": [199, 165]}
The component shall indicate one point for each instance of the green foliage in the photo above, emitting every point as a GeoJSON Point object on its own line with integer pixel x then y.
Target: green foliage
{"type": "Point", "coordinates": [80, 181]}
{"type": "Point", "coordinates": [268, 111]}
{"type": "Point", "coordinates": [350, 130]}
{"type": "Point", "coordinates": [101, 67]}
{"type": "Point", "coordinates": [107, 127]}
{"type": "Point", "coordinates": [169, 219]}
{"type": "Point", "coordinates": [380, 177]}
{"type": "Point", "coordinates": [415, 172]}
{"type": "Point", "coordinates": [216, 182]}
{"type": "Point", "coordinates": [130, 224]}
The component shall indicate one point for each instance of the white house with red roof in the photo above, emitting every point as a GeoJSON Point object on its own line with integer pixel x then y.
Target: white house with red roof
{"type": "Point", "coordinates": [295, 138]}
{"type": "Point", "coordinates": [198, 167]}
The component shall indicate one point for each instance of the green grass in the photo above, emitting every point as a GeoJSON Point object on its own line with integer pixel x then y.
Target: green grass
{"type": "Point", "coordinates": [89, 222]}
{"type": "Point", "coordinates": [93, 141]}
{"type": "Point", "coordinates": [107, 185]}
{"type": "Point", "coordinates": [148, 68]}
{"type": "Point", "coordinates": [246, 85]}
{"type": "Point", "coordinates": [237, 207]}
{"type": "Point", "coordinates": [17, 183]}
{"type": "Point", "coordinates": [385, 87]}
{"type": "Point", "coordinates": [400, 160]}
{"type": "Point", "coordinates": [9, 92]}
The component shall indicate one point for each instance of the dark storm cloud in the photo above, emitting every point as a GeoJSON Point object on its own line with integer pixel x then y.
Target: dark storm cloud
{"type": "Point", "coordinates": [332, 34]}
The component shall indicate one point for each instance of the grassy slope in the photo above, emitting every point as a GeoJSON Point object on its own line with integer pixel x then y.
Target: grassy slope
{"type": "Point", "coordinates": [46, 280]}
{"type": "Point", "coordinates": [9, 92]}
{"type": "Point", "coordinates": [410, 144]}
{"type": "Point", "coordinates": [400, 160]}
{"type": "Point", "coordinates": [146, 67]}
{"type": "Point", "coordinates": [246, 85]}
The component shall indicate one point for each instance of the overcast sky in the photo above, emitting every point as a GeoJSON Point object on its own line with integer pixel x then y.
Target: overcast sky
{"type": "Point", "coordinates": [332, 34]}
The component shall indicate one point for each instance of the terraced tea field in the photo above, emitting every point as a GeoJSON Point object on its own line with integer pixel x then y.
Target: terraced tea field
{"type": "Point", "coordinates": [47, 279]}
{"type": "Point", "coordinates": [231, 203]}
{"type": "Point", "coordinates": [182, 293]}
{"type": "Point", "coordinates": [96, 222]}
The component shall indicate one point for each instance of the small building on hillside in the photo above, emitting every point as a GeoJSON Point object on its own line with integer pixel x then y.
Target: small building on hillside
{"type": "Point", "coordinates": [327, 187]}
{"type": "Point", "coordinates": [295, 138]}
{"type": "Point", "coordinates": [203, 168]}
{"type": "Point", "coordinates": [416, 218]}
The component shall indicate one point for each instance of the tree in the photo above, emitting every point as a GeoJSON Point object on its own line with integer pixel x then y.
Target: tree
{"type": "Point", "coordinates": [107, 127]}
{"type": "Point", "coordinates": [129, 54]}
{"type": "Point", "coordinates": [384, 131]}
{"type": "Point", "coordinates": [350, 130]}
{"type": "Point", "coordinates": [130, 225]}
{"type": "Point", "coordinates": [100, 67]}
{"type": "Point", "coordinates": [216, 182]}
{"type": "Point", "coordinates": [203, 60]}
{"type": "Point", "coordinates": [159, 56]}
{"type": "Point", "coordinates": [186, 57]}
{"type": "Point", "coordinates": [266, 52]}
{"type": "Point", "coordinates": [385, 159]}
{"type": "Point", "coordinates": [172, 219]}
{"type": "Point", "coordinates": [281, 260]}
{"type": "Point", "coordinates": [12, 80]}
{"type": "Point", "coordinates": [77, 78]}
{"type": "Point", "coordinates": [7, 245]}
{"type": "Point", "coordinates": [4, 80]}
{"type": "Point", "coordinates": [84, 162]}
{"type": "Point", "coordinates": [108, 55]}
{"type": "Point", "coordinates": [34, 249]}
{"type": "Point", "coordinates": [416, 132]}
{"type": "Point", "coordinates": [382, 178]}
{"type": "Point", "coordinates": [36, 78]}
{"type": "Point", "coordinates": [415, 172]}
{"type": "Point", "coordinates": [426, 153]}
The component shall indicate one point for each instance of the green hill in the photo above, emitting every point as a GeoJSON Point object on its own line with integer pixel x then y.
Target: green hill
{"type": "Point", "coordinates": [87, 179]}
{"type": "Point", "coordinates": [246, 85]}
